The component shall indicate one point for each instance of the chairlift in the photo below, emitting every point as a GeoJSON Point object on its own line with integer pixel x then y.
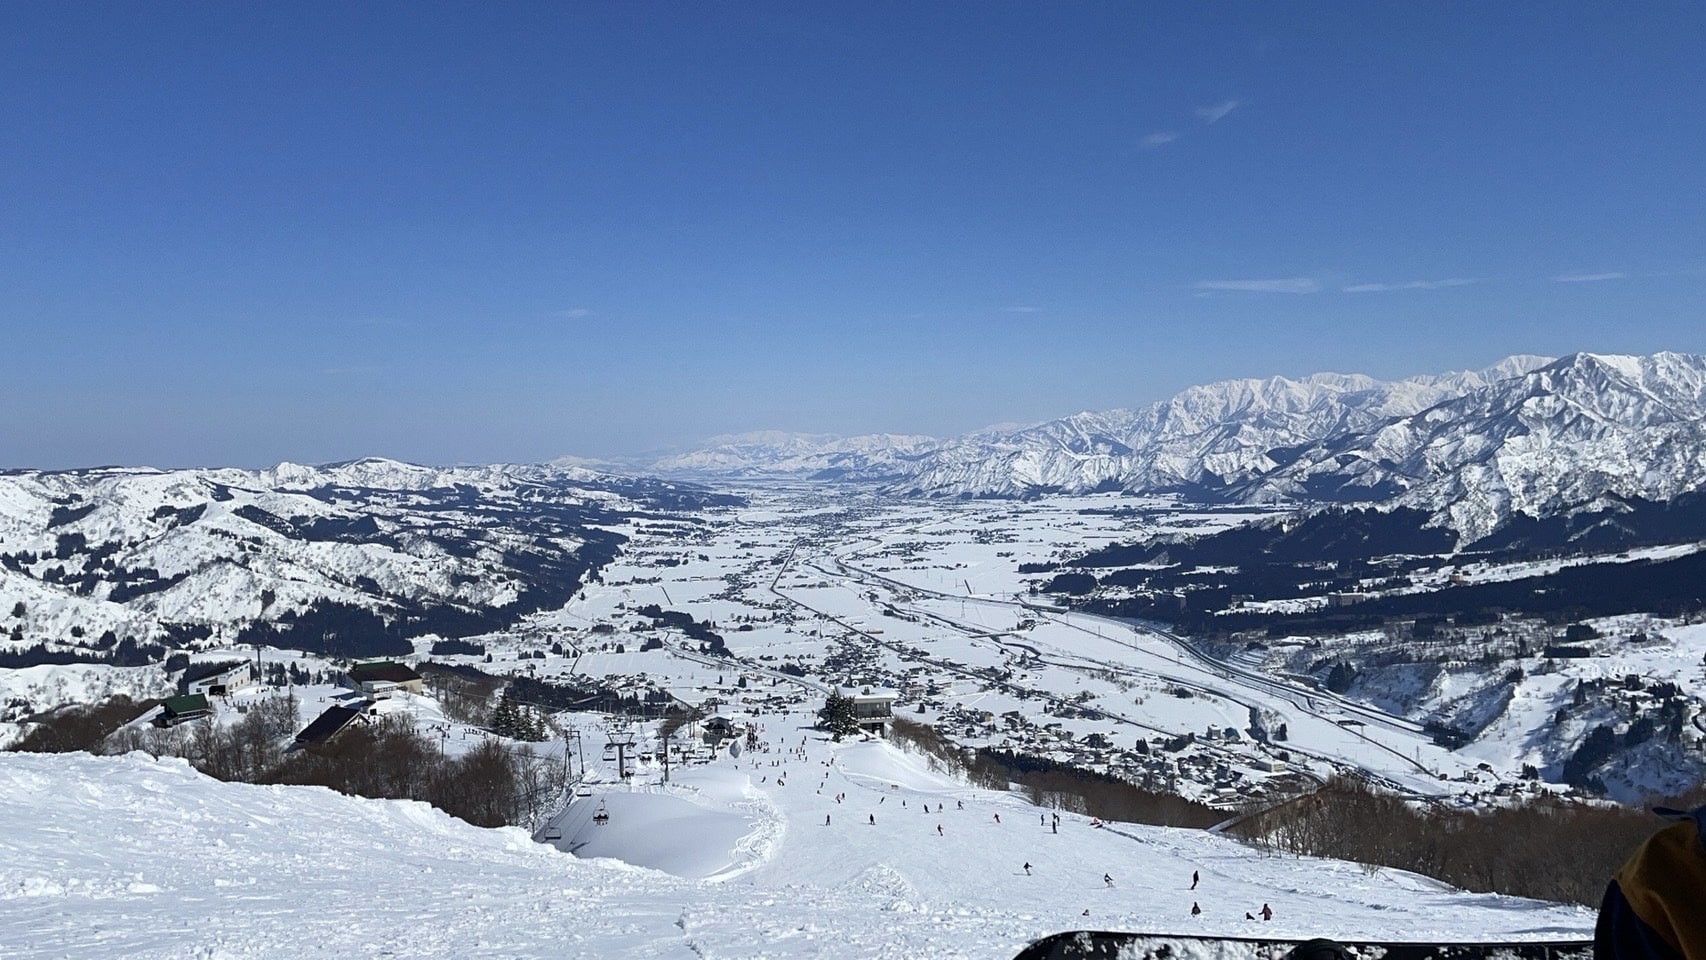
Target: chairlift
{"type": "Point", "coordinates": [609, 754]}
{"type": "Point", "coordinates": [553, 833]}
{"type": "Point", "coordinates": [583, 792]}
{"type": "Point", "coordinates": [602, 817]}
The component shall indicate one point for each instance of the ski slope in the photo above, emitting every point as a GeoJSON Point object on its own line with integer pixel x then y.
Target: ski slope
{"type": "Point", "coordinates": [129, 856]}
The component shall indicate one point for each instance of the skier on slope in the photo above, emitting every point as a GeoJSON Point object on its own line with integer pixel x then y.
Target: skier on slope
{"type": "Point", "coordinates": [1027, 868]}
{"type": "Point", "coordinates": [1107, 879]}
{"type": "Point", "coordinates": [1196, 911]}
{"type": "Point", "coordinates": [1267, 912]}
{"type": "Point", "coordinates": [1194, 879]}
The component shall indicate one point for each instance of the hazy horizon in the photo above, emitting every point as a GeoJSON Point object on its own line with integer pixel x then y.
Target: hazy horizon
{"type": "Point", "coordinates": [240, 235]}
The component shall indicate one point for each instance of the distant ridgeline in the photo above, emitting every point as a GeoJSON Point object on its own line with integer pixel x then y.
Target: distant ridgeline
{"type": "Point", "coordinates": [350, 560]}
{"type": "Point", "coordinates": [1193, 583]}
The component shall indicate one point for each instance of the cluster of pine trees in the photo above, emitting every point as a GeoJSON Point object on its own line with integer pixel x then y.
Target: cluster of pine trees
{"type": "Point", "coordinates": [518, 721]}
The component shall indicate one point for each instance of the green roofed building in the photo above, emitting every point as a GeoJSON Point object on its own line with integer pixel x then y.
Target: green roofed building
{"type": "Point", "coordinates": [190, 706]}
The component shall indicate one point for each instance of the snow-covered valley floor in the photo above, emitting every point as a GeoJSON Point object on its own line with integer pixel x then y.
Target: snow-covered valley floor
{"type": "Point", "coordinates": [129, 856]}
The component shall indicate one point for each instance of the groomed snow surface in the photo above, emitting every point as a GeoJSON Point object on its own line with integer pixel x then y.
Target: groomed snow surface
{"type": "Point", "coordinates": [130, 856]}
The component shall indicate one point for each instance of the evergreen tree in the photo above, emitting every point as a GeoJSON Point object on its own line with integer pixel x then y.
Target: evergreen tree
{"type": "Point", "coordinates": [837, 716]}
{"type": "Point", "coordinates": [506, 719]}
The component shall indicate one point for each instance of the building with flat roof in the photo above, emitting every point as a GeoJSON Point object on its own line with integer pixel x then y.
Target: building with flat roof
{"type": "Point", "coordinates": [381, 678]}
{"type": "Point", "coordinates": [873, 707]}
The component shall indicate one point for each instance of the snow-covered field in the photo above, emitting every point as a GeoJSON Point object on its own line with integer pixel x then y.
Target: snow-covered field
{"type": "Point", "coordinates": [129, 856]}
{"type": "Point", "coordinates": [928, 598]}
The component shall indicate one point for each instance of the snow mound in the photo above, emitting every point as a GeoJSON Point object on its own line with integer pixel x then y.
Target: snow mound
{"type": "Point", "coordinates": [129, 856]}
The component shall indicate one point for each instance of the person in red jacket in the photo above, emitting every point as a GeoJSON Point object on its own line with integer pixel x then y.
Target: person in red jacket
{"type": "Point", "coordinates": [1655, 908]}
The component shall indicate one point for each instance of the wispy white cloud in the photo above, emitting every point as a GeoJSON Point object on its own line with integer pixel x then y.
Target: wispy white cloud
{"type": "Point", "coordinates": [1409, 285]}
{"type": "Point", "coordinates": [1159, 139]}
{"type": "Point", "coordinates": [1218, 111]}
{"type": "Point", "coordinates": [1284, 285]}
{"type": "Point", "coordinates": [1588, 277]}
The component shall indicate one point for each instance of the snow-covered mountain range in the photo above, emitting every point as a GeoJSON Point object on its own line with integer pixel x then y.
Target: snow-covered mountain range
{"type": "Point", "coordinates": [1557, 438]}
{"type": "Point", "coordinates": [1528, 435]}
{"type": "Point", "coordinates": [370, 549]}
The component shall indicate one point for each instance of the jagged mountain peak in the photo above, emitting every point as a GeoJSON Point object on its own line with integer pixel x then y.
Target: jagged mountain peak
{"type": "Point", "coordinates": [1574, 431]}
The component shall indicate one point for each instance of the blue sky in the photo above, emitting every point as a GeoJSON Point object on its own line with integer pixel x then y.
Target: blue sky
{"type": "Point", "coordinates": [239, 233]}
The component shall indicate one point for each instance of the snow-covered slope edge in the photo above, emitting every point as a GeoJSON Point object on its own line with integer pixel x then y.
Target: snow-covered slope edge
{"type": "Point", "coordinates": [132, 857]}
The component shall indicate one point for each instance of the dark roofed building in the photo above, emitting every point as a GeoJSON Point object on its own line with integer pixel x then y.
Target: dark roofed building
{"type": "Point", "coordinates": [381, 678]}
{"type": "Point", "coordinates": [176, 710]}
{"type": "Point", "coordinates": [327, 725]}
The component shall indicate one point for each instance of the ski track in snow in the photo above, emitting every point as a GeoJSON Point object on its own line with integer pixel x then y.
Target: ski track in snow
{"type": "Point", "coordinates": [130, 856]}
